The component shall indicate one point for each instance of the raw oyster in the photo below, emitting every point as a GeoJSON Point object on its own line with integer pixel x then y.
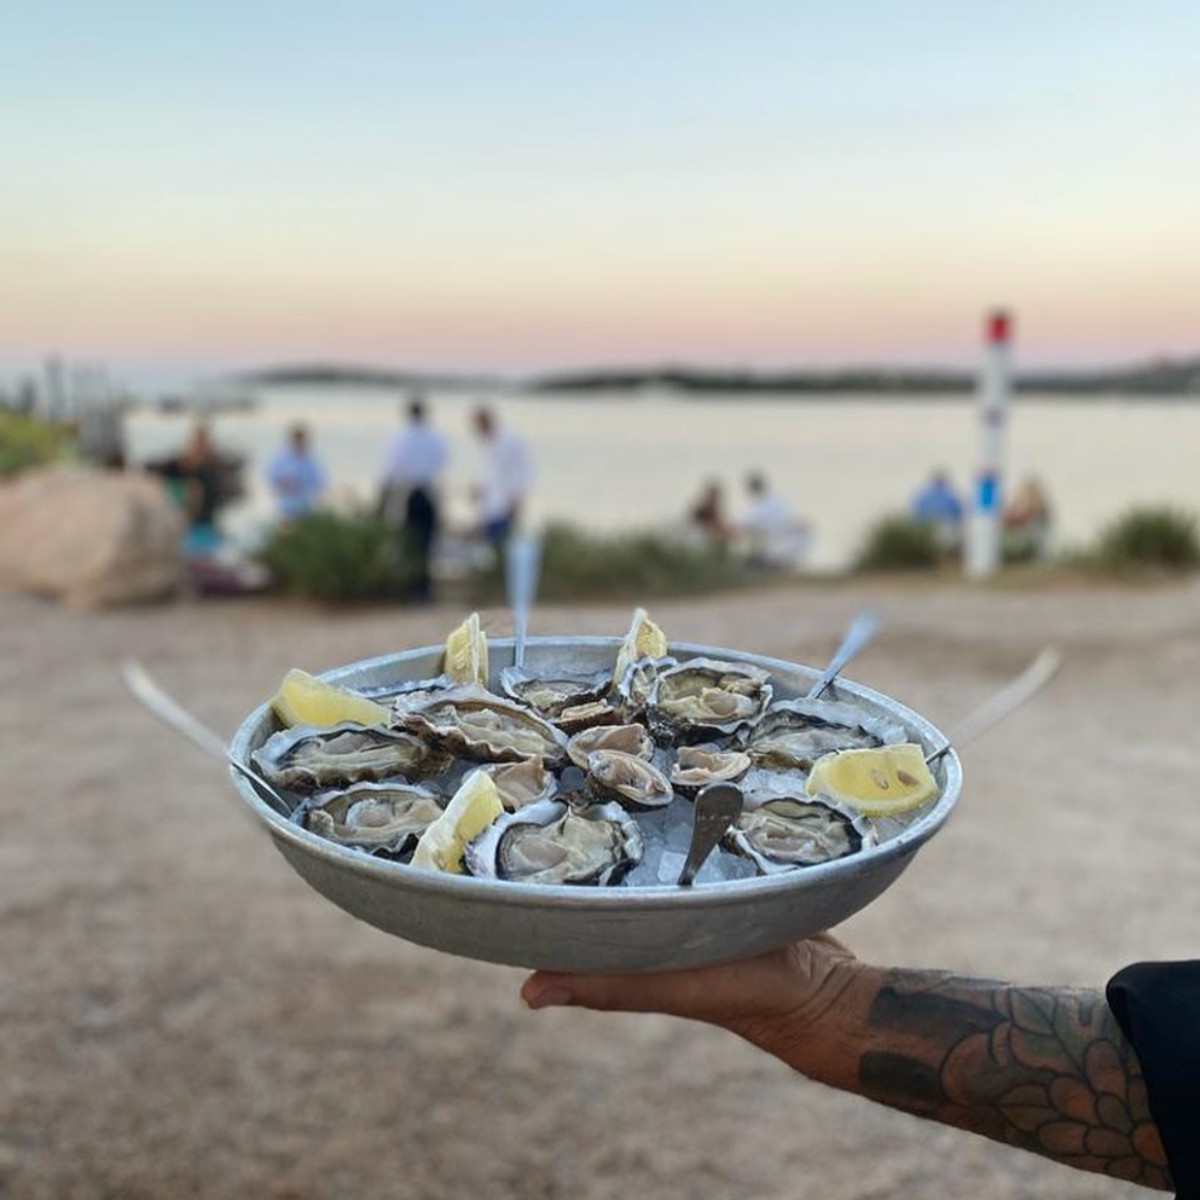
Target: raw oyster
{"type": "Point", "coordinates": [549, 693]}
{"type": "Point", "coordinates": [794, 733]}
{"type": "Point", "coordinates": [383, 818]}
{"type": "Point", "coordinates": [477, 724]}
{"type": "Point", "coordinates": [586, 716]}
{"type": "Point", "coordinates": [631, 780]}
{"type": "Point", "coordinates": [553, 842]}
{"type": "Point", "coordinates": [783, 832]}
{"type": "Point", "coordinates": [521, 783]}
{"type": "Point", "coordinates": [305, 758]}
{"type": "Point", "coordinates": [632, 739]}
{"type": "Point", "coordinates": [637, 684]}
{"type": "Point", "coordinates": [696, 767]}
{"type": "Point", "coordinates": [705, 698]}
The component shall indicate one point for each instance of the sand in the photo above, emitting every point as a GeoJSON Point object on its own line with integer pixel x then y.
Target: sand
{"type": "Point", "coordinates": [181, 1017]}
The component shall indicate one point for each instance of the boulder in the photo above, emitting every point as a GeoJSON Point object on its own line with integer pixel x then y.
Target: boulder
{"type": "Point", "coordinates": [91, 538]}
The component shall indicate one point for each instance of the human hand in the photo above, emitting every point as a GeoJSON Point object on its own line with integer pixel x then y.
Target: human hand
{"type": "Point", "coordinates": [775, 1000]}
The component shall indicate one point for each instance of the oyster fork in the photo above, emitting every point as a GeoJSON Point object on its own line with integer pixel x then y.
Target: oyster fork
{"type": "Point", "coordinates": [168, 710]}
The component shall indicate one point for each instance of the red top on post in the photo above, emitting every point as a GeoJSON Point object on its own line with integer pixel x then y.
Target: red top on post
{"type": "Point", "coordinates": [999, 324]}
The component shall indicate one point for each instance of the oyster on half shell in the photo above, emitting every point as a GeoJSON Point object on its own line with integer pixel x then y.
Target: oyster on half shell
{"type": "Point", "coordinates": [695, 767]}
{"type": "Point", "coordinates": [477, 724]}
{"type": "Point", "coordinates": [795, 733]}
{"type": "Point", "coordinates": [554, 842]}
{"type": "Point", "coordinates": [704, 698]}
{"type": "Point", "coordinates": [549, 693]}
{"type": "Point", "coordinates": [631, 739]}
{"type": "Point", "coordinates": [521, 783]}
{"type": "Point", "coordinates": [304, 757]}
{"type": "Point", "coordinates": [630, 780]}
{"type": "Point", "coordinates": [381, 818]}
{"type": "Point", "coordinates": [780, 833]}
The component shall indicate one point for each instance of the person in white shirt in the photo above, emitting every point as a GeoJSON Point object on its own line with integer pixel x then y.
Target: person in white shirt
{"type": "Point", "coordinates": [416, 457]}
{"type": "Point", "coordinates": [507, 476]}
{"type": "Point", "coordinates": [774, 537]}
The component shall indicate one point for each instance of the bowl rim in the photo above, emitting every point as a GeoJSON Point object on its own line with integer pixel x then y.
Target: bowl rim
{"type": "Point", "coordinates": [406, 878]}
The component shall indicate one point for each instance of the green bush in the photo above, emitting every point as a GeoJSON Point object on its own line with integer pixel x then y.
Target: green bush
{"type": "Point", "coordinates": [1162, 538]}
{"type": "Point", "coordinates": [27, 442]}
{"type": "Point", "coordinates": [898, 543]}
{"type": "Point", "coordinates": [338, 557]}
{"type": "Point", "coordinates": [577, 564]}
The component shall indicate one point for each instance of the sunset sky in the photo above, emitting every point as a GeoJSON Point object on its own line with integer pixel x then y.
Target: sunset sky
{"type": "Point", "coordinates": [510, 185]}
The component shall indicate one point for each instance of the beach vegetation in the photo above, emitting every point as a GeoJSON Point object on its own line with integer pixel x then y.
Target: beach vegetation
{"type": "Point", "coordinates": [898, 543]}
{"type": "Point", "coordinates": [1156, 537]}
{"type": "Point", "coordinates": [578, 564]}
{"type": "Point", "coordinates": [27, 442]}
{"type": "Point", "coordinates": [338, 558]}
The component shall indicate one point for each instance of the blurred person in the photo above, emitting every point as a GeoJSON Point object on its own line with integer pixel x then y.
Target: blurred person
{"type": "Point", "coordinates": [197, 470]}
{"type": "Point", "coordinates": [1105, 1081]}
{"type": "Point", "coordinates": [1027, 521]}
{"type": "Point", "coordinates": [707, 515]}
{"type": "Point", "coordinates": [938, 504]}
{"type": "Point", "coordinates": [773, 536]}
{"type": "Point", "coordinates": [295, 476]}
{"type": "Point", "coordinates": [416, 456]}
{"type": "Point", "coordinates": [507, 477]}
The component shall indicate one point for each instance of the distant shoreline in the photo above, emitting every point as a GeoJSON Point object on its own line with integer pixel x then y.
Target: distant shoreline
{"type": "Point", "coordinates": [1169, 380]}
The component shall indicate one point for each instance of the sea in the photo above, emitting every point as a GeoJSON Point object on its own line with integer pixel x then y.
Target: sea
{"type": "Point", "coordinates": [626, 460]}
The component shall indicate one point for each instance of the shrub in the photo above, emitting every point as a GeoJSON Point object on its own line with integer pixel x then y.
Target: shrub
{"type": "Point", "coordinates": [338, 557]}
{"type": "Point", "coordinates": [898, 543]}
{"type": "Point", "coordinates": [1155, 537]}
{"type": "Point", "coordinates": [27, 442]}
{"type": "Point", "coordinates": [577, 564]}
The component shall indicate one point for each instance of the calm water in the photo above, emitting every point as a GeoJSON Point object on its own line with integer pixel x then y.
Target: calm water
{"type": "Point", "coordinates": [623, 460]}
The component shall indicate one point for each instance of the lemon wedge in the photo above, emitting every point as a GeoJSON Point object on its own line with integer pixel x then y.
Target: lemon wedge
{"type": "Point", "coordinates": [305, 700]}
{"type": "Point", "coordinates": [644, 640]}
{"type": "Point", "coordinates": [467, 653]}
{"type": "Point", "coordinates": [880, 782]}
{"type": "Point", "coordinates": [474, 807]}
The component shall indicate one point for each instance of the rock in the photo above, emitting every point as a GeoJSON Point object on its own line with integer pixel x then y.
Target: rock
{"type": "Point", "coordinates": [91, 538]}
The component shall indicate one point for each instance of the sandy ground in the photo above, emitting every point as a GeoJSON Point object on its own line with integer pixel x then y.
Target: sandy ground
{"type": "Point", "coordinates": [181, 1017]}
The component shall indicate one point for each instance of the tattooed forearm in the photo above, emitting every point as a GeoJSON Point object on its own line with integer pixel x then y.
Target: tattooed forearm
{"type": "Point", "coordinates": [1044, 1069]}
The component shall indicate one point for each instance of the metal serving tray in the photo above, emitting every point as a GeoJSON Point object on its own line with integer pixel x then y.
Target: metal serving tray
{"type": "Point", "coordinates": [621, 929]}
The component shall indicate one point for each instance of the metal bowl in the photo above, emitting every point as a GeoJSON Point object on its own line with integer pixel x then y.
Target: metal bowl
{"type": "Point", "coordinates": [619, 929]}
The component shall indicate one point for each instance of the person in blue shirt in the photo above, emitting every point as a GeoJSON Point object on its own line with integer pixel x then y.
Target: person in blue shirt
{"type": "Point", "coordinates": [937, 504]}
{"type": "Point", "coordinates": [296, 477]}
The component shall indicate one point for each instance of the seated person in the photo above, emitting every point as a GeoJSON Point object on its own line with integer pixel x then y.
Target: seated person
{"type": "Point", "coordinates": [937, 504]}
{"type": "Point", "coordinates": [774, 537]}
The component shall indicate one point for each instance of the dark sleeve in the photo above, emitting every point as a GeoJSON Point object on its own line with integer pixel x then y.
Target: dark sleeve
{"type": "Point", "coordinates": [1158, 1008]}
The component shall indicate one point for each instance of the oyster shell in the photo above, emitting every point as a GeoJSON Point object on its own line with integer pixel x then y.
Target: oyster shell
{"type": "Point", "coordinates": [521, 783]}
{"type": "Point", "coordinates": [780, 833]}
{"type": "Point", "coordinates": [305, 757]}
{"type": "Point", "coordinates": [411, 694]}
{"type": "Point", "coordinates": [553, 842]}
{"type": "Point", "coordinates": [586, 716]}
{"type": "Point", "coordinates": [381, 818]}
{"type": "Point", "coordinates": [632, 781]}
{"type": "Point", "coordinates": [477, 724]}
{"type": "Point", "coordinates": [632, 739]}
{"type": "Point", "coordinates": [695, 767]}
{"type": "Point", "coordinates": [705, 698]}
{"type": "Point", "coordinates": [550, 693]}
{"type": "Point", "coordinates": [637, 684]}
{"type": "Point", "coordinates": [794, 733]}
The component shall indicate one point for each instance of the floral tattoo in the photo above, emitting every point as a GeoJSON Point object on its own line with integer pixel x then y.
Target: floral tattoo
{"type": "Point", "coordinates": [1047, 1070]}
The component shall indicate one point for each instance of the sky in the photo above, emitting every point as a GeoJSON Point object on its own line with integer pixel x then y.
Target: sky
{"type": "Point", "coordinates": [525, 185]}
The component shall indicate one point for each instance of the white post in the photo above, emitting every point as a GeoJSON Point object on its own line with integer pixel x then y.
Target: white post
{"type": "Point", "coordinates": [985, 530]}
